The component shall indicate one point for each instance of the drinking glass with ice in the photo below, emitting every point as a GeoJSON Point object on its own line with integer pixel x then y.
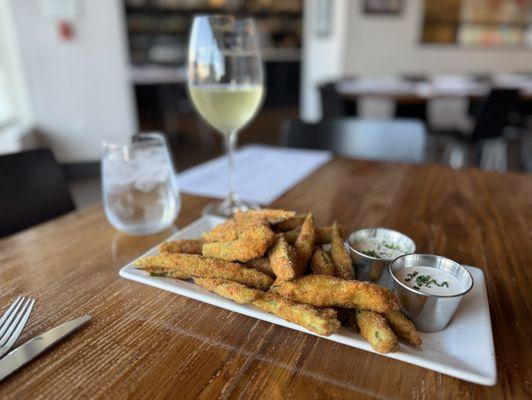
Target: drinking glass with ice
{"type": "Point", "coordinates": [140, 192]}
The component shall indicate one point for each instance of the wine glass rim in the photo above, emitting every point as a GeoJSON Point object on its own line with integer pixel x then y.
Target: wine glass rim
{"type": "Point", "coordinates": [150, 135]}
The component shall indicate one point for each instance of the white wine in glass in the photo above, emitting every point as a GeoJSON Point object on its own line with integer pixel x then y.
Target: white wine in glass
{"type": "Point", "coordinates": [226, 86]}
{"type": "Point", "coordinates": [226, 107]}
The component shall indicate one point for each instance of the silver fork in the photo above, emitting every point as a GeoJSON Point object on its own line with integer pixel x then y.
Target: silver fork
{"type": "Point", "coordinates": [13, 321]}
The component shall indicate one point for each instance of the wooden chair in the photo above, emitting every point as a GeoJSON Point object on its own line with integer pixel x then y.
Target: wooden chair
{"type": "Point", "coordinates": [384, 140]}
{"type": "Point", "coordinates": [32, 190]}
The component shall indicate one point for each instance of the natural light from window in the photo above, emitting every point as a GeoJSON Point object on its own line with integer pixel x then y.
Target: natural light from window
{"type": "Point", "coordinates": [6, 109]}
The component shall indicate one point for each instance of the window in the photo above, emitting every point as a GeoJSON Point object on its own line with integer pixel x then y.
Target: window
{"type": "Point", "coordinates": [6, 109]}
{"type": "Point", "coordinates": [486, 23]}
{"type": "Point", "coordinates": [6, 101]}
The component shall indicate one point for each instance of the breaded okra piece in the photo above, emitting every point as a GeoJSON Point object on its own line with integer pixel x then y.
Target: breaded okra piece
{"type": "Point", "coordinates": [204, 267]}
{"type": "Point", "coordinates": [340, 256]}
{"type": "Point", "coordinates": [252, 242]}
{"type": "Point", "coordinates": [267, 215]}
{"type": "Point", "coordinates": [403, 327]}
{"type": "Point", "coordinates": [374, 328]}
{"type": "Point", "coordinates": [224, 232]}
{"type": "Point", "coordinates": [187, 246]}
{"type": "Point", "coordinates": [321, 321]}
{"type": "Point", "coordinates": [321, 263]}
{"type": "Point", "coordinates": [167, 274]}
{"type": "Point", "coordinates": [262, 264]}
{"type": "Point", "coordinates": [229, 289]}
{"type": "Point", "coordinates": [290, 224]}
{"type": "Point", "coordinates": [328, 291]}
{"type": "Point", "coordinates": [304, 245]}
{"type": "Point", "coordinates": [282, 258]}
{"type": "Point", "coordinates": [323, 234]}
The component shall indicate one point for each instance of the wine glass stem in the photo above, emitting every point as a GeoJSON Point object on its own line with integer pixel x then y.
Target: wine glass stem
{"type": "Point", "coordinates": [230, 143]}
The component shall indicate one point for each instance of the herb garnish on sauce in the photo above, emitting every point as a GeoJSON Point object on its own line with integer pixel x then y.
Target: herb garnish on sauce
{"type": "Point", "coordinates": [424, 280]}
{"type": "Point", "coordinates": [370, 253]}
{"type": "Point", "coordinates": [391, 246]}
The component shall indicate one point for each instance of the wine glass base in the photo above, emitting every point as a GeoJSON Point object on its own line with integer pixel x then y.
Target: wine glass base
{"type": "Point", "coordinates": [228, 207]}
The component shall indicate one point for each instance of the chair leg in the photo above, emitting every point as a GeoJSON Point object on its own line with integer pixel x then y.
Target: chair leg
{"type": "Point", "coordinates": [526, 153]}
{"type": "Point", "coordinates": [455, 155]}
{"type": "Point", "coordinates": [431, 149]}
{"type": "Point", "coordinates": [494, 155]}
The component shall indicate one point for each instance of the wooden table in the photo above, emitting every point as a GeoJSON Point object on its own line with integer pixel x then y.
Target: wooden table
{"type": "Point", "coordinates": [147, 343]}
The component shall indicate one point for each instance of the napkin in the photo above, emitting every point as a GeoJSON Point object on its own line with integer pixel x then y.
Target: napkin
{"type": "Point", "coordinates": [262, 173]}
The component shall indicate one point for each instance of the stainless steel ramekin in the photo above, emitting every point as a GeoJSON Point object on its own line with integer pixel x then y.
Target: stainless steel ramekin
{"type": "Point", "coordinates": [430, 313]}
{"type": "Point", "coordinates": [374, 269]}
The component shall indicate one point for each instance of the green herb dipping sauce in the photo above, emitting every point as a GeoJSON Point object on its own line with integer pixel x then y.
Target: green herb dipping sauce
{"type": "Point", "coordinates": [379, 248]}
{"type": "Point", "coordinates": [431, 281]}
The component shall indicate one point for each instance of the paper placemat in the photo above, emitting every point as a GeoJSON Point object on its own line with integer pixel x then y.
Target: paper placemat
{"type": "Point", "coordinates": [262, 173]}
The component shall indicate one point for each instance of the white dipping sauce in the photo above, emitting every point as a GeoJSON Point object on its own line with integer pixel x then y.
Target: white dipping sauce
{"type": "Point", "coordinates": [379, 248]}
{"type": "Point", "coordinates": [430, 280]}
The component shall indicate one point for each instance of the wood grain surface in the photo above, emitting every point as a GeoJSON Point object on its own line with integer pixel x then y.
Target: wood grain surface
{"type": "Point", "coordinates": [147, 343]}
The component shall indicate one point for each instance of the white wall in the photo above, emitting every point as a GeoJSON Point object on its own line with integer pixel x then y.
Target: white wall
{"type": "Point", "coordinates": [13, 90]}
{"type": "Point", "coordinates": [323, 57]}
{"type": "Point", "coordinates": [390, 45]}
{"type": "Point", "coordinates": [79, 90]}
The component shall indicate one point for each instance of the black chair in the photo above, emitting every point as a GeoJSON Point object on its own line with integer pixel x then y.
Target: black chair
{"type": "Point", "coordinates": [384, 140]}
{"type": "Point", "coordinates": [487, 134]}
{"type": "Point", "coordinates": [519, 118]}
{"type": "Point", "coordinates": [494, 113]}
{"type": "Point", "coordinates": [32, 190]}
{"type": "Point", "coordinates": [333, 105]}
{"type": "Point", "coordinates": [412, 109]}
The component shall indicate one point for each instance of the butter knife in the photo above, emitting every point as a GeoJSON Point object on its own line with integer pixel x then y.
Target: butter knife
{"type": "Point", "coordinates": [39, 344]}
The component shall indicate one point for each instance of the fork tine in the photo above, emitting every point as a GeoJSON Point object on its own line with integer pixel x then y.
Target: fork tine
{"type": "Point", "coordinates": [10, 314]}
{"type": "Point", "coordinates": [17, 327]}
{"type": "Point", "coordinates": [14, 322]}
{"type": "Point", "coordinates": [8, 311]}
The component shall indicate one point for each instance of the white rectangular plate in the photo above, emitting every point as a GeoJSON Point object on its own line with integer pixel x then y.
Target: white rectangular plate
{"type": "Point", "coordinates": [463, 350]}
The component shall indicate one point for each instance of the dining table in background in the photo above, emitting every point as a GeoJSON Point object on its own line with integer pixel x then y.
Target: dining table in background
{"type": "Point", "coordinates": [405, 91]}
{"type": "Point", "coordinates": [147, 343]}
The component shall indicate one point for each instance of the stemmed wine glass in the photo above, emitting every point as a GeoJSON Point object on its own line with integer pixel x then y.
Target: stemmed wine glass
{"type": "Point", "coordinates": [226, 85]}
